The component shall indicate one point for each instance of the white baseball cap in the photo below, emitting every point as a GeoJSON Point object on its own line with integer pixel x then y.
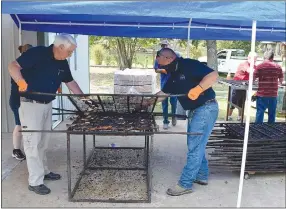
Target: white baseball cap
{"type": "Point", "coordinates": [164, 42]}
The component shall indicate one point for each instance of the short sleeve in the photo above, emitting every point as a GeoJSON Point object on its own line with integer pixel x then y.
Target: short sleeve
{"type": "Point", "coordinates": [31, 57]}
{"type": "Point", "coordinates": [280, 73]}
{"type": "Point", "coordinates": [156, 65]}
{"type": "Point", "coordinates": [67, 73]}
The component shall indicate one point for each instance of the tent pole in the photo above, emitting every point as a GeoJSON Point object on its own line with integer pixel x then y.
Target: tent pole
{"type": "Point", "coordinates": [189, 41]}
{"type": "Point", "coordinates": [246, 131]}
{"type": "Point", "coordinates": [20, 30]}
{"type": "Point", "coordinates": [152, 26]}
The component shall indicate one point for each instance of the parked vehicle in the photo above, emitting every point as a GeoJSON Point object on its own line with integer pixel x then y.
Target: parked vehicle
{"type": "Point", "coordinates": [229, 60]}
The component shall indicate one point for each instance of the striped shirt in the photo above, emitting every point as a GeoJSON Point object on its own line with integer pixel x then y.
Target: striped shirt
{"type": "Point", "coordinates": [268, 74]}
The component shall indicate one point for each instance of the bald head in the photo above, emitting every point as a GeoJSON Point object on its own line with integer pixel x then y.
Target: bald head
{"type": "Point", "coordinates": [165, 56]}
{"type": "Point", "coordinates": [167, 52]}
{"type": "Point", "coordinates": [269, 55]}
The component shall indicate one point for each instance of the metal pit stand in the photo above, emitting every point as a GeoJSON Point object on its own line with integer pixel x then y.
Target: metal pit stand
{"type": "Point", "coordinates": [111, 174]}
{"type": "Point", "coordinates": [114, 174]}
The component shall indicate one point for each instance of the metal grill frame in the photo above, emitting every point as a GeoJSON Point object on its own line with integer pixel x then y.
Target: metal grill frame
{"type": "Point", "coordinates": [148, 135]}
{"type": "Point", "coordinates": [146, 148]}
{"type": "Point", "coordinates": [72, 191]}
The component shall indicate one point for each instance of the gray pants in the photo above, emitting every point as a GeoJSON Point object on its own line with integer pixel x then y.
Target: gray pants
{"type": "Point", "coordinates": [35, 116]}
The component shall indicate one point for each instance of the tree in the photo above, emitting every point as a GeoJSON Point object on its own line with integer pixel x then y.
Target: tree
{"type": "Point", "coordinates": [245, 45]}
{"type": "Point", "coordinates": [211, 54]}
{"type": "Point", "coordinates": [125, 48]}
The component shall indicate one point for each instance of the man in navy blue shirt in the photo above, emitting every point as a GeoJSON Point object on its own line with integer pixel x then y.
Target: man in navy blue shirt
{"type": "Point", "coordinates": [173, 100]}
{"type": "Point", "coordinates": [41, 69]}
{"type": "Point", "coordinates": [195, 80]}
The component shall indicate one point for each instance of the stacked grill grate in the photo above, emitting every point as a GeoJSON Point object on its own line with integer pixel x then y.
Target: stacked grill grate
{"type": "Point", "coordinates": [266, 147]}
{"type": "Point", "coordinates": [238, 84]}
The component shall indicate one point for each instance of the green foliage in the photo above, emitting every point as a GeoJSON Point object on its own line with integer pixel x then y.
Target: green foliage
{"type": "Point", "coordinates": [97, 54]}
{"type": "Point", "coordinates": [195, 43]}
{"type": "Point", "coordinates": [245, 45]}
{"type": "Point", "coordinates": [195, 53]}
{"type": "Point", "coordinates": [124, 48]}
{"type": "Point", "coordinates": [108, 60]}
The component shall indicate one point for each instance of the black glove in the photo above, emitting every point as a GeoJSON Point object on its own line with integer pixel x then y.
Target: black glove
{"type": "Point", "coordinates": [253, 98]}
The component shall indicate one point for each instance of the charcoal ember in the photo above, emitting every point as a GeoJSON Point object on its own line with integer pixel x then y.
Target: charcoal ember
{"type": "Point", "coordinates": [116, 122]}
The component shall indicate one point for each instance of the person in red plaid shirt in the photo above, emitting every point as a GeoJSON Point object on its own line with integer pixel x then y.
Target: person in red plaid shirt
{"type": "Point", "coordinates": [238, 96]}
{"type": "Point", "coordinates": [269, 75]}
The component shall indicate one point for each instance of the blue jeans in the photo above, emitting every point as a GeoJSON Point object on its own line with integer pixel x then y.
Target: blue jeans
{"type": "Point", "coordinates": [200, 120]}
{"type": "Point", "coordinates": [262, 103]}
{"type": "Point", "coordinates": [165, 103]}
{"type": "Point", "coordinates": [173, 102]}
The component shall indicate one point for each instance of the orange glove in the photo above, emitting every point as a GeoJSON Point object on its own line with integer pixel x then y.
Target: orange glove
{"type": "Point", "coordinates": [22, 85]}
{"type": "Point", "coordinates": [194, 93]}
{"type": "Point", "coordinates": [59, 90]}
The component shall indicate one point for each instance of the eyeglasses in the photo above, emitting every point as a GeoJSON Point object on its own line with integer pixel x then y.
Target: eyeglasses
{"type": "Point", "coordinates": [160, 55]}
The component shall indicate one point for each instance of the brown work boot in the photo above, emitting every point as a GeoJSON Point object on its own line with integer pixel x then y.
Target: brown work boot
{"type": "Point", "coordinates": [178, 190]}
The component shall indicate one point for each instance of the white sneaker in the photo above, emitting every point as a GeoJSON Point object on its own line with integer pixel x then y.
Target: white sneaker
{"type": "Point", "coordinates": [239, 118]}
{"type": "Point", "coordinates": [165, 126]}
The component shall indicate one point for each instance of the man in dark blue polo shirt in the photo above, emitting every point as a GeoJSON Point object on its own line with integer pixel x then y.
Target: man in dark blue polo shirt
{"type": "Point", "coordinates": [193, 78]}
{"type": "Point", "coordinates": [41, 69]}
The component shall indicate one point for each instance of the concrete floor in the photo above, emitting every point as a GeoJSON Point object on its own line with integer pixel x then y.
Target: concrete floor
{"type": "Point", "coordinates": [167, 161]}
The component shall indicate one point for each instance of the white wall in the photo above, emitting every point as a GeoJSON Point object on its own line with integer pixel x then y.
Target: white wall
{"type": "Point", "coordinates": [10, 43]}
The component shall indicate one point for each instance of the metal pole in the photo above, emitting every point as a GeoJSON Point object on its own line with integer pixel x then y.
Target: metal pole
{"type": "Point", "coordinates": [246, 131]}
{"type": "Point", "coordinates": [20, 30]}
{"type": "Point", "coordinates": [153, 26]}
{"type": "Point", "coordinates": [228, 100]}
{"type": "Point", "coordinates": [84, 152]}
{"type": "Point", "coordinates": [189, 41]}
{"type": "Point", "coordinates": [69, 166]}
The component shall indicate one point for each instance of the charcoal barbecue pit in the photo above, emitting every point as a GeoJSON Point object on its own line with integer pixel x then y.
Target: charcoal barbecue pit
{"type": "Point", "coordinates": [116, 115]}
{"type": "Point", "coordinates": [108, 167]}
{"type": "Point", "coordinates": [266, 147]}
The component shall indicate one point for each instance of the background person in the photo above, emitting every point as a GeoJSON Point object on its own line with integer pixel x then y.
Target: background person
{"type": "Point", "coordinates": [269, 75]}
{"type": "Point", "coordinates": [14, 103]}
{"type": "Point", "coordinates": [173, 100]}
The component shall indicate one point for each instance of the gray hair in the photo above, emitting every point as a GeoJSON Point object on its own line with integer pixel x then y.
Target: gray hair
{"type": "Point", "coordinates": [65, 39]}
{"type": "Point", "coordinates": [269, 55]}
